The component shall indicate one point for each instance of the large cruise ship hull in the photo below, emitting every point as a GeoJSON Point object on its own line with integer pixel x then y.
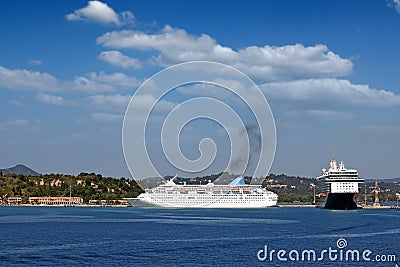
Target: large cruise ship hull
{"type": "Point", "coordinates": [340, 201]}
{"type": "Point", "coordinates": [236, 194]}
{"type": "Point", "coordinates": [227, 202]}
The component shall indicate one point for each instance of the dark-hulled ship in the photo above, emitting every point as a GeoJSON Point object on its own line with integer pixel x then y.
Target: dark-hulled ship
{"type": "Point", "coordinates": [341, 185]}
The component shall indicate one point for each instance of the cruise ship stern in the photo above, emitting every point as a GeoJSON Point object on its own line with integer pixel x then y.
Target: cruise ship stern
{"type": "Point", "coordinates": [341, 185]}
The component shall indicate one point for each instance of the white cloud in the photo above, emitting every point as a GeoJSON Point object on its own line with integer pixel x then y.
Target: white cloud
{"type": "Point", "coordinates": [95, 11]}
{"type": "Point", "coordinates": [118, 103]}
{"type": "Point", "coordinates": [115, 79]}
{"type": "Point", "coordinates": [146, 100]}
{"type": "Point", "coordinates": [26, 80]}
{"type": "Point", "coordinates": [265, 63]}
{"type": "Point", "coordinates": [52, 99]}
{"type": "Point", "coordinates": [114, 103]}
{"type": "Point", "coordinates": [106, 117]}
{"type": "Point", "coordinates": [330, 92]}
{"type": "Point", "coordinates": [126, 18]}
{"type": "Point", "coordinates": [20, 79]}
{"type": "Point", "coordinates": [394, 4]}
{"type": "Point", "coordinates": [102, 82]}
{"type": "Point", "coordinates": [87, 85]}
{"type": "Point", "coordinates": [118, 59]}
{"type": "Point", "coordinates": [35, 62]}
{"type": "Point", "coordinates": [99, 12]}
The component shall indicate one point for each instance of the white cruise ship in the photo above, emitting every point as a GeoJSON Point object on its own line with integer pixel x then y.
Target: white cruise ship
{"type": "Point", "coordinates": [236, 194]}
{"type": "Point", "coordinates": [341, 186]}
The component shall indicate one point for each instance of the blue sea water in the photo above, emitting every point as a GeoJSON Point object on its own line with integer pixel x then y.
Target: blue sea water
{"type": "Point", "coordinates": [51, 236]}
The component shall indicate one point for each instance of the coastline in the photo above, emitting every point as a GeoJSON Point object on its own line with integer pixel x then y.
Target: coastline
{"type": "Point", "coordinates": [69, 206]}
{"type": "Point", "coordinates": [279, 205]}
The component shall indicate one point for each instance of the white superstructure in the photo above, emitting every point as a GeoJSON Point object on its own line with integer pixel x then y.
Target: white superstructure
{"type": "Point", "coordinates": [339, 179]}
{"type": "Point", "coordinates": [236, 194]}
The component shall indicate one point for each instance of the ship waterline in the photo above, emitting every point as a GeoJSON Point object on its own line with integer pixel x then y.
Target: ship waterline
{"type": "Point", "coordinates": [236, 194]}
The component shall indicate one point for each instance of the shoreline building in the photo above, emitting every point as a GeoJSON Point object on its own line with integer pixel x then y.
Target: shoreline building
{"type": "Point", "coordinates": [12, 201]}
{"type": "Point", "coordinates": [55, 200]}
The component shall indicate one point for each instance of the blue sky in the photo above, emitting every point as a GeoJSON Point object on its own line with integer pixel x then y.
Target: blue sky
{"type": "Point", "coordinates": [328, 69]}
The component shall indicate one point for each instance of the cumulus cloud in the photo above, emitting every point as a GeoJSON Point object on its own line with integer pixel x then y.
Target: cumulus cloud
{"type": "Point", "coordinates": [328, 92]}
{"type": "Point", "coordinates": [84, 84]}
{"type": "Point", "coordinates": [21, 79]}
{"type": "Point", "coordinates": [52, 99]}
{"type": "Point", "coordinates": [102, 82]}
{"type": "Point", "coordinates": [99, 12]}
{"type": "Point", "coordinates": [26, 80]}
{"type": "Point", "coordinates": [116, 79]}
{"type": "Point", "coordinates": [146, 100]}
{"type": "Point", "coordinates": [118, 59]}
{"type": "Point", "coordinates": [394, 4]}
{"type": "Point", "coordinates": [261, 62]}
{"type": "Point", "coordinates": [114, 103]}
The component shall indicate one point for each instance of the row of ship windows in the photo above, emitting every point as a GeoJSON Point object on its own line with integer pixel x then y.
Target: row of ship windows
{"type": "Point", "coordinates": [346, 185]}
{"type": "Point", "coordinates": [341, 173]}
{"type": "Point", "coordinates": [206, 193]}
{"type": "Point", "coordinates": [346, 188]}
{"type": "Point", "coordinates": [219, 201]}
{"type": "Point", "coordinates": [210, 197]}
{"type": "Point", "coordinates": [342, 177]}
{"type": "Point", "coordinates": [213, 198]}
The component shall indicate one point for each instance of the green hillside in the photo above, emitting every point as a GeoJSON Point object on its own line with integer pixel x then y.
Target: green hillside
{"type": "Point", "coordinates": [85, 185]}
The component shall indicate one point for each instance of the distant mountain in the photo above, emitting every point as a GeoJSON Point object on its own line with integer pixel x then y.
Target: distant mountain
{"type": "Point", "coordinates": [20, 169]}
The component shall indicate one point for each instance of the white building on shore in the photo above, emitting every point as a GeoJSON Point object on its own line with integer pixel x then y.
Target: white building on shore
{"type": "Point", "coordinates": [55, 200]}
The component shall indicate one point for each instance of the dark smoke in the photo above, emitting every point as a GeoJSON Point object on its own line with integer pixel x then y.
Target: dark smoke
{"type": "Point", "coordinates": [254, 135]}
